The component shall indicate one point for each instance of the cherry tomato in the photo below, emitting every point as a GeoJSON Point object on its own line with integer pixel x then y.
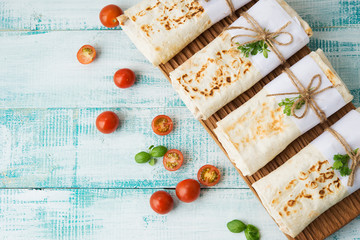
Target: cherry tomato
{"type": "Point", "coordinates": [162, 125]}
{"type": "Point", "coordinates": [107, 122]}
{"type": "Point", "coordinates": [86, 54]}
{"type": "Point", "coordinates": [161, 202]}
{"type": "Point", "coordinates": [188, 190]}
{"type": "Point", "coordinates": [124, 78]}
{"type": "Point", "coordinates": [208, 175]}
{"type": "Point", "coordinates": [173, 159]}
{"type": "Point", "coordinates": [109, 14]}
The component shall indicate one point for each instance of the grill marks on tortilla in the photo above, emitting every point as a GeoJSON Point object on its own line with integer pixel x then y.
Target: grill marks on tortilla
{"type": "Point", "coordinates": [168, 14]}
{"type": "Point", "coordinates": [318, 182]}
{"type": "Point", "coordinates": [147, 29]}
{"type": "Point", "coordinates": [219, 71]}
{"type": "Point", "coordinates": [261, 123]}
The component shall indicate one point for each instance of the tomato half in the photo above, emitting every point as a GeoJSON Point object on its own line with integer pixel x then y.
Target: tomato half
{"type": "Point", "coordinates": [173, 159]}
{"type": "Point", "coordinates": [162, 125]}
{"type": "Point", "coordinates": [161, 202]}
{"type": "Point", "coordinates": [86, 54]}
{"type": "Point", "coordinates": [208, 175]}
{"type": "Point", "coordinates": [124, 78]}
{"type": "Point", "coordinates": [109, 14]}
{"type": "Point", "coordinates": [188, 190]}
{"type": "Point", "coordinates": [107, 122]}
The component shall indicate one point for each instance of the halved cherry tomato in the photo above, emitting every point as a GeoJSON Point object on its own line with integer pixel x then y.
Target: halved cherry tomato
{"type": "Point", "coordinates": [124, 78]}
{"type": "Point", "coordinates": [107, 122]}
{"type": "Point", "coordinates": [162, 125]}
{"type": "Point", "coordinates": [173, 159]}
{"type": "Point", "coordinates": [109, 14]}
{"type": "Point", "coordinates": [208, 175]}
{"type": "Point", "coordinates": [86, 54]}
{"type": "Point", "coordinates": [161, 202]}
{"type": "Point", "coordinates": [188, 190]}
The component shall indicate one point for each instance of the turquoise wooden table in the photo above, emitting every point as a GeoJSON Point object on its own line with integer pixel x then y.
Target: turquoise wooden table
{"type": "Point", "coordinates": [62, 179]}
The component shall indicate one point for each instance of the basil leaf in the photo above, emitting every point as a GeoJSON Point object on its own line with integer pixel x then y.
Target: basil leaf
{"type": "Point", "coordinates": [158, 151]}
{"type": "Point", "coordinates": [236, 226]}
{"type": "Point", "coordinates": [152, 161]}
{"type": "Point", "coordinates": [142, 157]}
{"type": "Point", "coordinates": [252, 232]}
{"type": "Point", "coordinates": [151, 147]}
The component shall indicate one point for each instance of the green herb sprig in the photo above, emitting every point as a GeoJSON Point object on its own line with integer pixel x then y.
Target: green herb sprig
{"type": "Point", "coordinates": [237, 226]}
{"type": "Point", "coordinates": [155, 152]}
{"type": "Point", "coordinates": [255, 48]}
{"type": "Point", "coordinates": [341, 163]}
{"type": "Point", "coordinates": [288, 104]}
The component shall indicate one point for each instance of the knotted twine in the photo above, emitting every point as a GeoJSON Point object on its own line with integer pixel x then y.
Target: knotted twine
{"type": "Point", "coordinates": [306, 95]}
{"type": "Point", "coordinates": [262, 34]}
{"type": "Point", "coordinates": [355, 157]}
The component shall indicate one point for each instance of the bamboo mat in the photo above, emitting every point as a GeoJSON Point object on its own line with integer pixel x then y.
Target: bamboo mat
{"type": "Point", "coordinates": [337, 216]}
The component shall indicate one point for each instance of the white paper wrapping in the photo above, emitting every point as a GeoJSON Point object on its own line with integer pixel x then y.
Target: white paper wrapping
{"type": "Point", "coordinates": [219, 9]}
{"type": "Point", "coordinates": [329, 146]}
{"type": "Point", "coordinates": [271, 16]}
{"type": "Point", "coordinates": [248, 133]}
{"type": "Point", "coordinates": [329, 101]}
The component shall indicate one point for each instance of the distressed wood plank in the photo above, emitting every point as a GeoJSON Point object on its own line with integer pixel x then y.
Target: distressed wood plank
{"type": "Point", "coordinates": [342, 48]}
{"type": "Point", "coordinates": [55, 15]}
{"type": "Point", "coordinates": [126, 214]}
{"type": "Point", "coordinates": [50, 75]}
{"type": "Point", "coordinates": [62, 148]}
{"type": "Point", "coordinates": [83, 15]}
{"type": "Point", "coordinates": [40, 69]}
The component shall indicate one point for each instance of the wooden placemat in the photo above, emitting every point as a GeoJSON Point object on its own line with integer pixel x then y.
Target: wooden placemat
{"type": "Point", "coordinates": [334, 218]}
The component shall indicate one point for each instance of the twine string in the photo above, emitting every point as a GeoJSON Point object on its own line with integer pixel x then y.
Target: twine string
{"type": "Point", "coordinates": [306, 95]}
{"type": "Point", "coordinates": [262, 34]}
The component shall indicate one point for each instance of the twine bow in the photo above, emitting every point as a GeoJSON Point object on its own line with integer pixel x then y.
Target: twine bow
{"type": "Point", "coordinates": [262, 34]}
{"type": "Point", "coordinates": [306, 95]}
{"type": "Point", "coordinates": [355, 157]}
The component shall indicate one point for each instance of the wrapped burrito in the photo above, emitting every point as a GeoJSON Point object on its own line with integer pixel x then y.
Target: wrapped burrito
{"type": "Point", "coordinates": [162, 28]}
{"type": "Point", "coordinates": [305, 186]}
{"type": "Point", "coordinates": [220, 72]}
{"type": "Point", "coordinates": [259, 130]}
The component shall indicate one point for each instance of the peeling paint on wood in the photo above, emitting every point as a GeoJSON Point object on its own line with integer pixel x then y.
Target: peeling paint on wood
{"type": "Point", "coordinates": [48, 105]}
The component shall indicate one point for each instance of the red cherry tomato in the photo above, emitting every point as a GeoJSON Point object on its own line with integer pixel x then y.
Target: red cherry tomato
{"type": "Point", "coordinates": [173, 159]}
{"type": "Point", "coordinates": [124, 78]}
{"type": "Point", "coordinates": [208, 175]}
{"type": "Point", "coordinates": [188, 190]}
{"type": "Point", "coordinates": [162, 125]}
{"type": "Point", "coordinates": [107, 122]}
{"type": "Point", "coordinates": [109, 14]}
{"type": "Point", "coordinates": [161, 202]}
{"type": "Point", "coordinates": [86, 54]}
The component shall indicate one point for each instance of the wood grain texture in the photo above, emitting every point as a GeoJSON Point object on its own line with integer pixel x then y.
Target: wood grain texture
{"type": "Point", "coordinates": [337, 216]}
{"type": "Point", "coordinates": [62, 148]}
{"type": "Point", "coordinates": [126, 214]}
{"type": "Point", "coordinates": [55, 79]}
{"type": "Point", "coordinates": [79, 15]}
{"type": "Point", "coordinates": [48, 103]}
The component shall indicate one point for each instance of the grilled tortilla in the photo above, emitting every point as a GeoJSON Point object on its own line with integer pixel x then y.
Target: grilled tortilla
{"type": "Point", "coordinates": [306, 185]}
{"type": "Point", "coordinates": [219, 72]}
{"type": "Point", "coordinates": [248, 134]}
{"type": "Point", "coordinates": [162, 28]}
